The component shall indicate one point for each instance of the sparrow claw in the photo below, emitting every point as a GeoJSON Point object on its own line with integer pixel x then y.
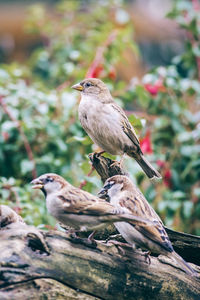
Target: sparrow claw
{"type": "Point", "coordinates": [118, 163]}
{"type": "Point", "coordinates": [147, 256]}
{"type": "Point", "coordinates": [114, 236]}
{"type": "Point", "coordinates": [115, 164]}
{"type": "Point", "coordinates": [120, 250]}
{"type": "Point", "coordinates": [85, 241]}
{"type": "Point", "coordinates": [91, 236]}
{"type": "Point", "coordinates": [119, 246]}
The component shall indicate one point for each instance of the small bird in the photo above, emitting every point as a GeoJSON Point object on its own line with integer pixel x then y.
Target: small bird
{"type": "Point", "coordinates": [77, 208]}
{"type": "Point", "coordinates": [107, 125]}
{"type": "Point", "coordinates": [122, 193]}
{"type": "Point", "coordinates": [8, 216]}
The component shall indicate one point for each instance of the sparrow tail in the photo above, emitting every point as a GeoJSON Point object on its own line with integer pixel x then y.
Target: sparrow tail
{"type": "Point", "coordinates": [183, 265]}
{"type": "Point", "coordinates": [146, 166]}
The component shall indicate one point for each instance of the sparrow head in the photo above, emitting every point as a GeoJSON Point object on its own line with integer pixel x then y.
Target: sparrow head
{"type": "Point", "coordinates": [8, 216]}
{"type": "Point", "coordinates": [49, 183]}
{"type": "Point", "coordinates": [114, 185]}
{"type": "Point", "coordinates": [92, 86]}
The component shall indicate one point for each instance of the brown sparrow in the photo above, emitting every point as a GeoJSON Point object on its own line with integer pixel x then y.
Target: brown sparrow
{"type": "Point", "coordinates": [77, 208]}
{"type": "Point", "coordinates": [8, 216]}
{"type": "Point", "coordinates": [107, 125]}
{"type": "Point", "coordinates": [122, 193]}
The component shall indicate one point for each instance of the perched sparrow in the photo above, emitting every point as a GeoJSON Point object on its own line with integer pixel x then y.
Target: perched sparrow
{"type": "Point", "coordinates": [122, 193]}
{"type": "Point", "coordinates": [77, 208]}
{"type": "Point", "coordinates": [8, 216]}
{"type": "Point", "coordinates": [107, 125]}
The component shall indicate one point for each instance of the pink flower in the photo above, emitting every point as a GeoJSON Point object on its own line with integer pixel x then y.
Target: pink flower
{"type": "Point", "coordinates": [153, 89]}
{"type": "Point", "coordinates": [5, 135]}
{"type": "Point", "coordinates": [112, 73]}
{"type": "Point", "coordinates": [167, 178]}
{"type": "Point", "coordinates": [160, 163]}
{"type": "Point", "coordinates": [145, 143]}
{"type": "Point", "coordinates": [95, 71]}
{"type": "Point", "coordinates": [167, 174]}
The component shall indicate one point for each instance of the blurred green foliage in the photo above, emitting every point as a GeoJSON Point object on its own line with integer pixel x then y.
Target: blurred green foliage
{"type": "Point", "coordinates": [38, 109]}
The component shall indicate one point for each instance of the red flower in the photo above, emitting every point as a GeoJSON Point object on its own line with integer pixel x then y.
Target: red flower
{"type": "Point", "coordinates": [153, 89]}
{"type": "Point", "coordinates": [112, 73]}
{"type": "Point", "coordinates": [167, 174]}
{"type": "Point", "coordinates": [160, 163]}
{"type": "Point", "coordinates": [5, 135]}
{"type": "Point", "coordinates": [145, 143]}
{"type": "Point", "coordinates": [167, 178]}
{"type": "Point", "coordinates": [95, 71]}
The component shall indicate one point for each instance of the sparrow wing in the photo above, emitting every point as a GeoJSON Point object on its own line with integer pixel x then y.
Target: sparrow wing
{"type": "Point", "coordinates": [84, 203]}
{"type": "Point", "coordinates": [127, 127]}
{"type": "Point", "coordinates": [139, 206]}
{"type": "Point", "coordinates": [81, 202]}
{"type": "Point", "coordinates": [157, 234]}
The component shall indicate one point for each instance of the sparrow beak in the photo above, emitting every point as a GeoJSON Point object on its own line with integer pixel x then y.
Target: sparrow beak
{"type": "Point", "coordinates": [103, 193]}
{"type": "Point", "coordinates": [37, 184]}
{"type": "Point", "coordinates": [77, 87]}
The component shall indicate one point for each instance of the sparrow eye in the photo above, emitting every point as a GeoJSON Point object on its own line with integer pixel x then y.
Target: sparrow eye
{"type": "Point", "coordinates": [49, 179]}
{"type": "Point", "coordinates": [88, 84]}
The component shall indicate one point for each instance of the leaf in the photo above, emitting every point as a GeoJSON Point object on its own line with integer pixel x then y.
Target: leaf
{"type": "Point", "coordinates": [187, 208]}
{"type": "Point", "coordinates": [135, 121]}
{"type": "Point", "coordinates": [26, 166]}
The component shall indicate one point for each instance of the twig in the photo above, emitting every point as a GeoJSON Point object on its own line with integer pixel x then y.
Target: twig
{"type": "Point", "coordinates": [63, 85]}
{"type": "Point", "coordinates": [24, 138]}
{"type": "Point", "coordinates": [99, 54]}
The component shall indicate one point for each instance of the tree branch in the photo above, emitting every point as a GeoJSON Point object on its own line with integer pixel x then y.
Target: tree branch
{"type": "Point", "coordinates": [29, 271]}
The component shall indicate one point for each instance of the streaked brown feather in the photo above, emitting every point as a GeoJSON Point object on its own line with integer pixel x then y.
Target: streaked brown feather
{"type": "Point", "coordinates": [127, 127]}
{"type": "Point", "coordinates": [139, 206]}
{"type": "Point", "coordinates": [157, 234]}
{"type": "Point", "coordinates": [86, 204]}
{"type": "Point", "coordinates": [91, 205]}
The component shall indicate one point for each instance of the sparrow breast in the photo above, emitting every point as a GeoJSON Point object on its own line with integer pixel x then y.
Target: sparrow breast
{"type": "Point", "coordinates": [102, 123]}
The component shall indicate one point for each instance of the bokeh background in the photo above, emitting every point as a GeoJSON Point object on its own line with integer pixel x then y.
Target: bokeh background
{"type": "Point", "coordinates": [148, 53]}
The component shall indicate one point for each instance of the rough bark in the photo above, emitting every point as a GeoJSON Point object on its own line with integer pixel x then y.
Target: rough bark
{"type": "Point", "coordinates": [51, 265]}
{"type": "Point", "coordinates": [36, 265]}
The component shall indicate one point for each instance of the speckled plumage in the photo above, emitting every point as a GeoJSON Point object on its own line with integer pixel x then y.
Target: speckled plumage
{"type": "Point", "coordinates": [8, 216]}
{"type": "Point", "coordinates": [123, 193]}
{"type": "Point", "coordinates": [107, 125]}
{"type": "Point", "coordinates": [77, 208]}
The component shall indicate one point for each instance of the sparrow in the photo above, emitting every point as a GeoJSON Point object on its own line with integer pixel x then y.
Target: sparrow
{"type": "Point", "coordinates": [107, 125]}
{"type": "Point", "coordinates": [77, 208]}
{"type": "Point", "coordinates": [9, 216]}
{"type": "Point", "coordinates": [122, 193]}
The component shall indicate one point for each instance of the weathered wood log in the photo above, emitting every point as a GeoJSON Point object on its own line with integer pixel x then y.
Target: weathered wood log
{"type": "Point", "coordinates": [51, 265]}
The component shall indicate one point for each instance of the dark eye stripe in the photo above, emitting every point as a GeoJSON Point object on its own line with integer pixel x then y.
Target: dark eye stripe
{"type": "Point", "coordinates": [109, 185]}
{"type": "Point", "coordinates": [88, 84]}
{"type": "Point", "coordinates": [49, 179]}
